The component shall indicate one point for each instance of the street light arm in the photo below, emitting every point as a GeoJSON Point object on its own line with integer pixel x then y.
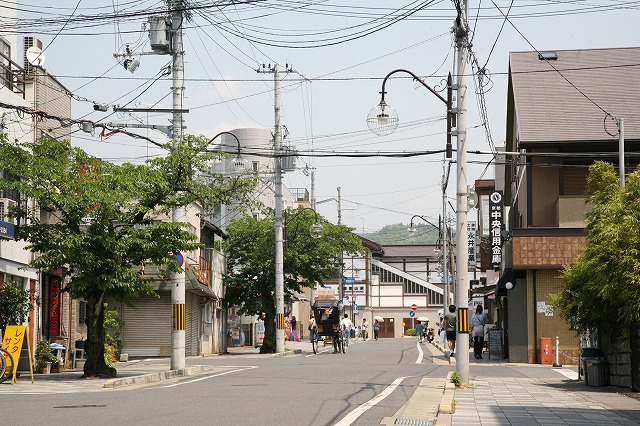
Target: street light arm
{"type": "Point", "coordinates": [415, 77]}
{"type": "Point", "coordinates": [423, 218]}
{"type": "Point", "coordinates": [227, 133]}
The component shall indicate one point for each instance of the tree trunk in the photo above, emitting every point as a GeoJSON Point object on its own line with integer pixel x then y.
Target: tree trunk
{"type": "Point", "coordinates": [95, 365]}
{"type": "Point", "coordinates": [269, 343]}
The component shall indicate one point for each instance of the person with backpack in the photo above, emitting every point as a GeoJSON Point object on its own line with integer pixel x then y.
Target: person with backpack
{"type": "Point", "coordinates": [477, 331]}
{"type": "Point", "coordinates": [450, 320]}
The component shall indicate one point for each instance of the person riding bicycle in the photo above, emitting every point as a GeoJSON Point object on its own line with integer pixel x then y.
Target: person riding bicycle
{"type": "Point", "coordinates": [312, 327]}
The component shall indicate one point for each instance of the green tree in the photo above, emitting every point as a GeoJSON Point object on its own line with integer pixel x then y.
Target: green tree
{"type": "Point", "coordinates": [603, 284]}
{"type": "Point", "coordinates": [308, 262]}
{"type": "Point", "coordinates": [101, 221]}
{"type": "Point", "coordinates": [398, 234]}
{"type": "Point", "coordinates": [15, 304]}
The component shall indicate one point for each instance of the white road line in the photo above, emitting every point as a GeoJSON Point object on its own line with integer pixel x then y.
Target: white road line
{"type": "Point", "coordinates": [353, 416]}
{"type": "Point", "coordinates": [208, 377]}
{"type": "Point", "coordinates": [420, 353]}
{"type": "Point", "coordinates": [320, 352]}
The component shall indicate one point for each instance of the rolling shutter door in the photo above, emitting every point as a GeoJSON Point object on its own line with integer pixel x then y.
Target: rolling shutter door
{"type": "Point", "coordinates": [192, 332]}
{"type": "Point", "coordinates": [147, 328]}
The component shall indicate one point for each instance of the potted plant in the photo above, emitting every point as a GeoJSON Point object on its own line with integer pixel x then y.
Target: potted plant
{"type": "Point", "coordinates": [44, 357]}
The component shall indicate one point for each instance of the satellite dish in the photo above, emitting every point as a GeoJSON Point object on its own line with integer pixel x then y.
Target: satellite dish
{"type": "Point", "coordinates": [35, 56]}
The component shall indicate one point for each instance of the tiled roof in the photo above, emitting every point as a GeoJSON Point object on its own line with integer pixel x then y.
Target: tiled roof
{"type": "Point", "coordinates": [549, 109]}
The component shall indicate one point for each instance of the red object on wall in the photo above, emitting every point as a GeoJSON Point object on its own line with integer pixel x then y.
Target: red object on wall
{"type": "Point", "coordinates": [55, 299]}
{"type": "Point", "coordinates": [546, 351]}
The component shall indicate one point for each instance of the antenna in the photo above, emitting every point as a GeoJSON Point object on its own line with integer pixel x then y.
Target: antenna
{"type": "Point", "coordinates": [35, 56]}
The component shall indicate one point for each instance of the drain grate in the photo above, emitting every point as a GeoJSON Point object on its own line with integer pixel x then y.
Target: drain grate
{"type": "Point", "coordinates": [431, 386]}
{"type": "Point", "coordinates": [413, 422]}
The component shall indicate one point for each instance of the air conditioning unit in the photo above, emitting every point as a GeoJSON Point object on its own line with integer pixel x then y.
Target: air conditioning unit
{"type": "Point", "coordinates": [28, 42]}
{"type": "Point", "coordinates": [6, 205]}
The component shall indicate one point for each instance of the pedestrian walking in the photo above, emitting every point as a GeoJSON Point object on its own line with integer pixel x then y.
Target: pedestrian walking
{"type": "Point", "coordinates": [376, 329]}
{"type": "Point", "coordinates": [346, 326]}
{"type": "Point", "coordinates": [477, 331]}
{"type": "Point", "coordinates": [450, 321]}
{"type": "Point", "coordinates": [365, 335]}
{"type": "Point", "coordinates": [420, 331]}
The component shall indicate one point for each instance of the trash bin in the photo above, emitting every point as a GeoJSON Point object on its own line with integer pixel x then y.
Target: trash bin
{"type": "Point", "coordinates": [594, 367]}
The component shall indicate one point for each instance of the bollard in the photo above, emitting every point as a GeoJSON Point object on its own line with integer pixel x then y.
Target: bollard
{"type": "Point", "coordinates": [557, 363]}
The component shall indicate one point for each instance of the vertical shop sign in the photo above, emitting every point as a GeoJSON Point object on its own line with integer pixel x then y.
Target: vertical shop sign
{"type": "Point", "coordinates": [496, 224]}
{"type": "Point", "coordinates": [471, 242]}
{"type": "Point", "coordinates": [55, 299]}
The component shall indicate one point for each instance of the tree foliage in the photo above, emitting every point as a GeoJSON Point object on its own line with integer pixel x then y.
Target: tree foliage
{"type": "Point", "coordinates": [102, 220]}
{"type": "Point", "coordinates": [603, 284]}
{"type": "Point", "coordinates": [14, 304]}
{"type": "Point", "coordinates": [398, 234]}
{"type": "Point", "coordinates": [308, 262]}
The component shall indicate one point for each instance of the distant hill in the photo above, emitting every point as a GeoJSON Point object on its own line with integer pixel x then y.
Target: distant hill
{"type": "Point", "coordinates": [398, 234]}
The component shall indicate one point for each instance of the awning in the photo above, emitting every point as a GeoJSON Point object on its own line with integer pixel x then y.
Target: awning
{"type": "Point", "coordinates": [484, 290]}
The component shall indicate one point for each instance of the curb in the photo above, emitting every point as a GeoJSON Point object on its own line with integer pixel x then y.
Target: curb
{"type": "Point", "coordinates": [287, 353]}
{"type": "Point", "coordinates": [446, 402]}
{"type": "Point", "coordinates": [154, 377]}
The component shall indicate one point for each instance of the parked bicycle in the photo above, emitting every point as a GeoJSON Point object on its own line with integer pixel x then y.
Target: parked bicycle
{"type": "Point", "coordinates": [6, 365]}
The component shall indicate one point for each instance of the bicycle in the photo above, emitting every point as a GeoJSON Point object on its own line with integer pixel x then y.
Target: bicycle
{"type": "Point", "coordinates": [6, 365]}
{"type": "Point", "coordinates": [314, 340]}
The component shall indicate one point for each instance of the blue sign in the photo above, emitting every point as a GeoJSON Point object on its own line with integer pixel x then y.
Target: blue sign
{"type": "Point", "coordinates": [412, 314]}
{"type": "Point", "coordinates": [450, 279]}
{"type": "Point", "coordinates": [7, 230]}
{"type": "Point", "coordinates": [349, 280]}
{"type": "Point", "coordinates": [355, 308]}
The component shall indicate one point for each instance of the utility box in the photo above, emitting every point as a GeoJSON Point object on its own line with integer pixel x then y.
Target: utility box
{"type": "Point", "coordinates": [546, 351]}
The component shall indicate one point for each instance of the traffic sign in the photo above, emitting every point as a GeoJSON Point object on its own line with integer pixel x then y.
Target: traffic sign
{"type": "Point", "coordinates": [349, 280]}
{"type": "Point", "coordinates": [412, 314]}
{"type": "Point", "coordinates": [414, 307]}
{"type": "Point", "coordinates": [179, 259]}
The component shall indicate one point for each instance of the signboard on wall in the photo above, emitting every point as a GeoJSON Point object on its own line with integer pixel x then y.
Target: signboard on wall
{"type": "Point", "coordinates": [55, 299]}
{"type": "Point", "coordinates": [496, 225]}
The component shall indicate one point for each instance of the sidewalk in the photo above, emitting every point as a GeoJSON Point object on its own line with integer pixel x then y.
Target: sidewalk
{"type": "Point", "coordinates": [502, 393]}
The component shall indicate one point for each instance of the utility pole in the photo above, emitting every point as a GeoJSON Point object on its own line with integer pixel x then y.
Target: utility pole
{"type": "Point", "coordinates": [445, 235]}
{"type": "Point", "coordinates": [277, 148]}
{"type": "Point", "coordinates": [461, 30]}
{"type": "Point", "coordinates": [179, 214]}
{"type": "Point", "coordinates": [340, 277]}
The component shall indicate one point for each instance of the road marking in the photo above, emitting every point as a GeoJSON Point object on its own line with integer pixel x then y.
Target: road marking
{"type": "Point", "coordinates": [353, 416]}
{"type": "Point", "coordinates": [420, 353]}
{"type": "Point", "coordinates": [319, 352]}
{"type": "Point", "coordinates": [208, 377]}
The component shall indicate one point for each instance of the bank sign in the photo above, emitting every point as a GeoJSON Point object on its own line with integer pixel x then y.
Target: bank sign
{"type": "Point", "coordinates": [496, 225]}
{"type": "Point", "coordinates": [6, 230]}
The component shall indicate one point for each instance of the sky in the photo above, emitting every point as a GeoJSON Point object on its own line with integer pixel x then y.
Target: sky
{"type": "Point", "coordinates": [339, 52]}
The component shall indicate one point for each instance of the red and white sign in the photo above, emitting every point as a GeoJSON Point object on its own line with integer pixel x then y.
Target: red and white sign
{"type": "Point", "coordinates": [414, 307]}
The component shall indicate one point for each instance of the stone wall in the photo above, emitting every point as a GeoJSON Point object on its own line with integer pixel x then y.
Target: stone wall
{"type": "Point", "coordinates": [618, 351]}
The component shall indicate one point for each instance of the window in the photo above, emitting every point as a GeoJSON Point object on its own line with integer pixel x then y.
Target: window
{"type": "Point", "coordinates": [254, 166]}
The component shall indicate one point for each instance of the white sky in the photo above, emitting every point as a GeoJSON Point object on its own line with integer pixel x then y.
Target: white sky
{"type": "Point", "coordinates": [328, 114]}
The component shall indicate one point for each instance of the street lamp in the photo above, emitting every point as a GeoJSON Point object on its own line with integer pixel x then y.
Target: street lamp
{"type": "Point", "coordinates": [315, 230]}
{"type": "Point", "coordinates": [382, 116]}
{"type": "Point", "coordinates": [383, 119]}
{"type": "Point", "coordinates": [240, 165]}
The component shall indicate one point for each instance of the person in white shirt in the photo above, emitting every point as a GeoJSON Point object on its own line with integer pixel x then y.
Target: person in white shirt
{"type": "Point", "coordinates": [365, 335]}
{"type": "Point", "coordinates": [346, 325]}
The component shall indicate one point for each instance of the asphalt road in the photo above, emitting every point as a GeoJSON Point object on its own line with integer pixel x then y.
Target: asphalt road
{"type": "Point", "coordinates": [249, 389]}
